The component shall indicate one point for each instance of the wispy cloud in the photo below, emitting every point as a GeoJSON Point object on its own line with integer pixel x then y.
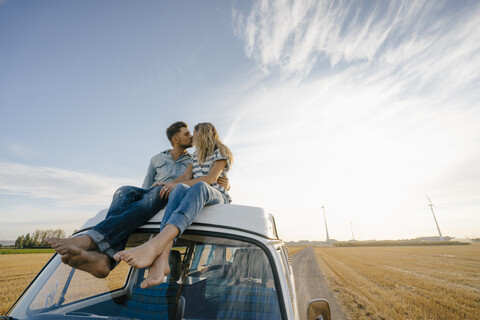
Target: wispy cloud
{"type": "Point", "coordinates": [385, 107]}
{"type": "Point", "coordinates": [67, 188]}
{"type": "Point", "coordinates": [421, 39]}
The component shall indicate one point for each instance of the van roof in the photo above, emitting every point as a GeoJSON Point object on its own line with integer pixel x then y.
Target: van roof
{"type": "Point", "coordinates": [229, 216]}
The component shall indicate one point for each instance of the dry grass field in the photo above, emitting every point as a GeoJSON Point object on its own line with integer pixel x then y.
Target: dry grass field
{"type": "Point", "coordinates": [16, 272]}
{"type": "Point", "coordinates": [294, 249]}
{"type": "Point", "coordinates": [424, 282]}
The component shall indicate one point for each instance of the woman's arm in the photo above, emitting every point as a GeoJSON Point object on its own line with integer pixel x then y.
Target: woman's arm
{"type": "Point", "coordinates": [224, 182]}
{"type": "Point", "coordinates": [212, 176]}
{"type": "Point", "coordinates": [186, 178]}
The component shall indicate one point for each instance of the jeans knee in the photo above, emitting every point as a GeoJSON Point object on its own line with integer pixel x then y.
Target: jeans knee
{"type": "Point", "coordinates": [201, 186]}
{"type": "Point", "coordinates": [123, 190]}
{"type": "Point", "coordinates": [180, 188]}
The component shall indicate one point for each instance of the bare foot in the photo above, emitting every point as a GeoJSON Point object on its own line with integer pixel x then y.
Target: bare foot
{"type": "Point", "coordinates": [61, 245]}
{"type": "Point", "coordinates": [93, 262]}
{"type": "Point", "coordinates": [144, 255]}
{"type": "Point", "coordinates": [66, 258]}
{"type": "Point", "coordinates": [156, 274]}
{"type": "Point", "coordinates": [141, 256]}
{"type": "Point", "coordinates": [159, 269]}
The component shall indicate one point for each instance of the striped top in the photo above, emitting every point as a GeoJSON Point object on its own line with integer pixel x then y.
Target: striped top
{"type": "Point", "coordinates": [204, 169]}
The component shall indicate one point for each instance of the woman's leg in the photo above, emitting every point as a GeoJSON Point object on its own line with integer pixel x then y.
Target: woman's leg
{"type": "Point", "coordinates": [198, 196]}
{"type": "Point", "coordinates": [174, 200]}
{"type": "Point", "coordinates": [144, 255]}
{"type": "Point", "coordinates": [159, 269]}
{"type": "Point", "coordinates": [195, 199]}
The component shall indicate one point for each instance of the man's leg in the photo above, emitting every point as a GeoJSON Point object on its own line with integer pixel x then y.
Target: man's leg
{"type": "Point", "coordinates": [131, 207]}
{"type": "Point", "coordinates": [111, 235]}
{"type": "Point", "coordinates": [123, 197]}
{"type": "Point", "coordinates": [96, 263]}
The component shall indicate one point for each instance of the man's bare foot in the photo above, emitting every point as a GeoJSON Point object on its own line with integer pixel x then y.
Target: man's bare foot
{"type": "Point", "coordinates": [159, 269]}
{"type": "Point", "coordinates": [93, 262]}
{"type": "Point", "coordinates": [66, 258]}
{"type": "Point", "coordinates": [61, 245]}
{"type": "Point", "coordinates": [141, 256]}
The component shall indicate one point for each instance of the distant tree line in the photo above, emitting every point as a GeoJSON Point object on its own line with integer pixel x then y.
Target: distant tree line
{"type": "Point", "coordinates": [37, 238]}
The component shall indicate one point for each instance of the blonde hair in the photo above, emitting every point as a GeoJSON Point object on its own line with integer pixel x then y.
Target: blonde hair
{"type": "Point", "coordinates": [207, 141]}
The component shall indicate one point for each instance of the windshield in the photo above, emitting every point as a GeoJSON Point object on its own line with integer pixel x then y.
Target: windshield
{"type": "Point", "coordinates": [211, 278]}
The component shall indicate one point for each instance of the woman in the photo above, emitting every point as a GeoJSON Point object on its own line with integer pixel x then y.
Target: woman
{"type": "Point", "coordinates": [187, 195]}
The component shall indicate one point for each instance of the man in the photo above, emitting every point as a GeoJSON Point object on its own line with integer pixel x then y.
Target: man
{"type": "Point", "coordinates": [131, 207]}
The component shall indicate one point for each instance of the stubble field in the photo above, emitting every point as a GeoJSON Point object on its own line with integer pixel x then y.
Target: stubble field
{"type": "Point", "coordinates": [16, 272]}
{"type": "Point", "coordinates": [440, 282]}
{"type": "Point", "coordinates": [425, 282]}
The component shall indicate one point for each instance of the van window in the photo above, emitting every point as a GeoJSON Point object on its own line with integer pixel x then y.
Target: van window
{"type": "Point", "coordinates": [210, 278]}
{"type": "Point", "coordinates": [67, 285]}
{"type": "Point", "coordinates": [236, 277]}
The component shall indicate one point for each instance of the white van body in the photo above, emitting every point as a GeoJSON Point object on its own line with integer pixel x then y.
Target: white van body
{"type": "Point", "coordinates": [230, 263]}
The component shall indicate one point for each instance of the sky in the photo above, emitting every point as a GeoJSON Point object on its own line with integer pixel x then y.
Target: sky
{"type": "Point", "coordinates": [362, 107]}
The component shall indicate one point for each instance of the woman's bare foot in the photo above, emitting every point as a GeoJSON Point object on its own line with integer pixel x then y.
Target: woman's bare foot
{"type": "Point", "coordinates": [144, 255]}
{"type": "Point", "coordinates": [61, 245]}
{"type": "Point", "coordinates": [141, 256]}
{"type": "Point", "coordinates": [156, 274]}
{"type": "Point", "coordinates": [159, 269]}
{"type": "Point", "coordinates": [93, 262]}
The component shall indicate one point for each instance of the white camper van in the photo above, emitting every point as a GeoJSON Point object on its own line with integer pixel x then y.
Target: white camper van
{"type": "Point", "coordinates": [229, 264]}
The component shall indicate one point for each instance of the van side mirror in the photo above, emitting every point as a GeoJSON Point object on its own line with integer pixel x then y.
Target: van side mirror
{"type": "Point", "coordinates": [318, 309]}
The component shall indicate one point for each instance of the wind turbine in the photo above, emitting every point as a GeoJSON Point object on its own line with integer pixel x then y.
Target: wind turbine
{"type": "Point", "coordinates": [434, 218]}
{"type": "Point", "coordinates": [326, 228]}
{"type": "Point", "coordinates": [351, 228]}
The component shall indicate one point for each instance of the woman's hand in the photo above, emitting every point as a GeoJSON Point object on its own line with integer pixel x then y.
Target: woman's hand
{"type": "Point", "coordinates": [167, 188]}
{"type": "Point", "coordinates": [223, 181]}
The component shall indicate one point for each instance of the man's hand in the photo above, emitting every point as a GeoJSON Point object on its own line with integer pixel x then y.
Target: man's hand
{"type": "Point", "coordinates": [157, 184]}
{"type": "Point", "coordinates": [167, 188]}
{"type": "Point", "coordinates": [224, 182]}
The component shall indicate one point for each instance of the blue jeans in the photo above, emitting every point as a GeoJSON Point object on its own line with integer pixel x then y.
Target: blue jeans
{"type": "Point", "coordinates": [185, 202]}
{"type": "Point", "coordinates": [131, 207]}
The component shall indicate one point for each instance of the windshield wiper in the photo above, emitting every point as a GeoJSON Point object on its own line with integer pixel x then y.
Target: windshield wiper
{"type": "Point", "coordinates": [7, 318]}
{"type": "Point", "coordinates": [64, 291]}
{"type": "Point", "coordinates": [51, 295]}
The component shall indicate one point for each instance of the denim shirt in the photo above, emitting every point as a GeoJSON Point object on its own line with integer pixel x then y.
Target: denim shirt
{"type": "Point", "coordinates": [163, 168]}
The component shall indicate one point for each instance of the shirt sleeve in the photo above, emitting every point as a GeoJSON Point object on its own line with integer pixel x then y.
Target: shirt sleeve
{"type": "Point", "coordinates": [150, 177]}
{"type": "Point", "coordinates": [217, 155]}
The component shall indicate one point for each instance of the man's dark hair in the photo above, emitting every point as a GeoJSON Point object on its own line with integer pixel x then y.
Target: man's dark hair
{"type": "Point", "coordinates": [174, 129]}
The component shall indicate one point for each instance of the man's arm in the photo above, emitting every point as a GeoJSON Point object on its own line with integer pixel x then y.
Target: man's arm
{"type": "Point", "coordinates": [150, 177]}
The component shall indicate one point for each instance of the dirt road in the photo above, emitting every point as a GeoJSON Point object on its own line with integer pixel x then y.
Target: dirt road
{"type": "Point", "coordinates": [310, 284]}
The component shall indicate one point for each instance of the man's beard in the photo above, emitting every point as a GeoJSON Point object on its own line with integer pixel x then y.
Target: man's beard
{"type": "Point", "coordinates": [186, 146]}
